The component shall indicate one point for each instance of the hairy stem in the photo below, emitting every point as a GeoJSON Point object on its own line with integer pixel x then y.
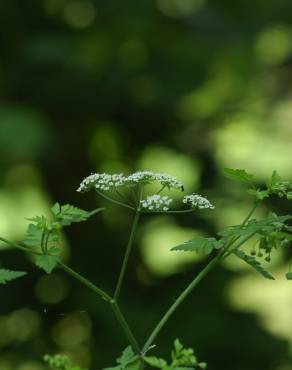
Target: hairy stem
{"type": "Point", "coordinates": [122, 321]}
{"type": "Point", "coordinates": [127, 255]}
{"type": "Point", "coordinates": [179, 300]}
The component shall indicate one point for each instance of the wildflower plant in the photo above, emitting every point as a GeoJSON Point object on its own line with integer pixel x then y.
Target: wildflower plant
{"type": "Point", "coordinates": [43, 241]}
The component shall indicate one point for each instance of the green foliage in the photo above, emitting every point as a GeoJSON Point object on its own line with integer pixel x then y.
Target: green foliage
{"type": "Point", "coordinates": [60, 362]}
{"type": "Point", "coordinates": [253, 263]}
{"type": "Point", "coordinates": [181, 359]}
{"type": "Point", "coordinates": [259, 194]}
{"type": "Point", "coordinates": [45, 234]}
{"type": "Point", "coordinates": [66, 215]}
{"type": "Point", "coordinates": [127, 361]}
{"type": "Point", "coordinates": [280, 187]}
{"type": "Point", "coordinates": [46, 262]}
{"type": "Point", "coordinates": [8, 275]}
{"type": "Point", "coordinates": [238, 175]}
{"type": "Point", "coordinates": [199, 245]}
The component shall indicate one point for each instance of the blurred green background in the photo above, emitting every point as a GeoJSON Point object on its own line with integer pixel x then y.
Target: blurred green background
{"type": "Point", "coordinates": [180, 86]}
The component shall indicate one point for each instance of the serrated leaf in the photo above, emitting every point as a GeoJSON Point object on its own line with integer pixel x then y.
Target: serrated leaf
{"type": "Point", "coordinates": [275, 180]}
{"type": "Point", "coordinates": [46, 262]}
{"type": "Point", "coordinates": [34, 236]}
{"type": "Point", "coordinates": [238, 175]}
{"type": "Point", "coordinates": [253, 263]}
{"type": "Point", "coordinates": [67, 214]}
{"type": "Point", "coordinates": [160, 363]}
{"type": "Point", "coordinates": [258, 194]}
{"type": "Point", "coordinates": [199, 245]}
{"type": "Point", "coordinates": [127, 356]}
{"type": "Point", "coordinates": [8, 275]}
{"type": "Point", "coordinates": [127, 361]}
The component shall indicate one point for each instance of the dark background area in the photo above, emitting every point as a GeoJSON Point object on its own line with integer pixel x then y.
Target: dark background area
{"type": "Point", "coordinates": [180, 86]}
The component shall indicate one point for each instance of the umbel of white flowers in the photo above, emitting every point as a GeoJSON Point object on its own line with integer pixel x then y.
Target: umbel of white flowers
{"type": "Point", "coordinates": [109, 182]}
{"type": "Point", "coordinates": [106, 181]}
{"type": "Point", "coordinates": [156, 202]}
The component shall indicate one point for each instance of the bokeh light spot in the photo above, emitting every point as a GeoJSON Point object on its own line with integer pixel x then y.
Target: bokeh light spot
{"type": "Point", "coordinates": [72, 331]}
{"type": "Point", "coordinates": [273, 45]}
{"type": "Point", "coordinates": [161, 159]}
{"type": "Point", "coordinates": [79, 14]}
{"type": "Point", "coordinates": [179, 8]}
{"type": "Point", "coordinates": [158, 237]}
{"type": "Point", "coordinates": [243, 143]}
{"type": "Point", "coordinates": [51, 289]}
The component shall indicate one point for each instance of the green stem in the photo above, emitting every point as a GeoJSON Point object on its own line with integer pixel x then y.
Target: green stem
{"type": "Point", "coordinates": [121, 319]}
{"type": "Point", "coordinates": [115, 201]}
{"type": "Point", "coordinates": [124, 325]}
{"type": "Point", "coordinates": [19, 246]}
{"type": "Point", "coordinates": [168, 212]}
{"type": "Point", "coordinates": [239, 244]}
{"type": "Point", "coordinates": [250, 213]}
{"type": "Point", "coordinates": [179, 300]}
{"type": "Point", "coordinates": [234, 239]}
{"type": "Point", "coordinates": [127, 255]}
{"type": "Point", "coordinates": [85, 282]}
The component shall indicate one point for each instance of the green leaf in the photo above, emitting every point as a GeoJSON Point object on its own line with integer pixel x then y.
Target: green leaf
{"type": "Point", "coordinates": [8, 275]}
{"type": "Point", "coordinates": [199, 245]}
{"type": "Point", "coordinates": [60, 362]}
{"type": "Point", "coordinates": [276, 179]}
{"type": "Point", "coordinates": [46, 262]}
{"type": "Point", "coordinates": [253, 263]}
{"type": "Point", "coordinates": [68, 214]}
{"type": "Point", "coordinates": [238, 175]}
{"type": "Point", "coordinates": [289, 275]}
{"type": "Point", "coordinates": [127, 361]}
{"type": "Point", "coordinates": [156, 362]}
{"type": "Point", "coordinates": [258, 194]}
{"type": "Point", "coordinates": [34, 236]}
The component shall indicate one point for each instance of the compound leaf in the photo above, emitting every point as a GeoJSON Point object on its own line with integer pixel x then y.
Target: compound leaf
{"type": "Point", "coordinates": [199, 245]}
{"type": "Point", "coordinates": [67, 214]}
{"type": "Point", "coordinates": [253, 263]}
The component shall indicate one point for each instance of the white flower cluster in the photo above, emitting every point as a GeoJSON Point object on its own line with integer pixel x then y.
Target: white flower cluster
{"type": "Point", "coordinates": [102, 181]}
{"type": "Point", "coordinates": [196, 200]}
{"type": "Point", "coordinates": [146, 177]}
{"type": "Point", "coordinates": [105, 181]}
{"type": "Point", "coordinates": [156, 202]}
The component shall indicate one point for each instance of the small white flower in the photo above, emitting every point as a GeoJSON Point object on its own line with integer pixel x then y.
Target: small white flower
{"type": "Point", "coordinates": [156, 202]}
{"type": "Point", "coordinates": [196, 200]}
{"type": "Point", "coordinates": [147, 177]}
{"type": "Point", "coordinates": [102, 181]}
{"type": "Point", "coordinates": [105, 181]}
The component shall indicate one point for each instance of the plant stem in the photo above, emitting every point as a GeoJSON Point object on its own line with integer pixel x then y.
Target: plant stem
{"type": "Point", "coordinates": [239, 244]}
{"type": "Point", "coordinates": [250, 213]}
{"type": "Point", "coordinates": [180, 299]}
{"type": "Point", "coordinates": [169, 212]}
{"type": "Point", "coordinates": [85, 282]}
{"type": "Point", "coordinates": [115, 201]}
{"type": "Point", "coordinates": [121, 319]}
{"type": "Point", "coordinates": [127, 255]}
{"type": "Point", "coordinates": [19, 246]}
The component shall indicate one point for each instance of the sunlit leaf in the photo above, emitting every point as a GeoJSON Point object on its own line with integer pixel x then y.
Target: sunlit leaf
{"type": "Point", "coordinates": [199, 245]}
{"type": "Point", "coordinates": [238, 175]}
